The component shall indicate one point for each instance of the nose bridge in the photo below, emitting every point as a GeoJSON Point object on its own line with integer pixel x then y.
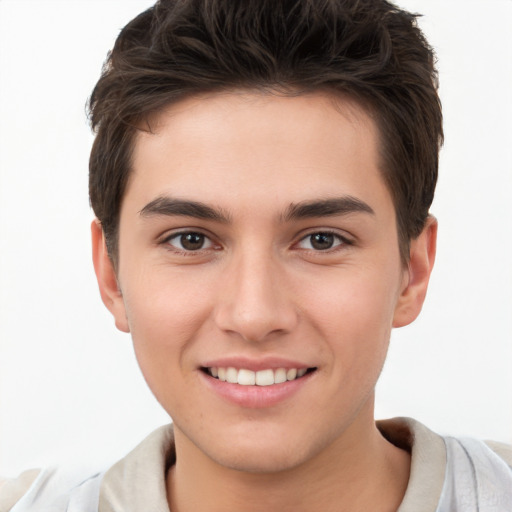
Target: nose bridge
{"type": "Point", "coordinates": [255, 303]}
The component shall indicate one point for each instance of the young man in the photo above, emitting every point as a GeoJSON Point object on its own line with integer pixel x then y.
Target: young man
{"type": "Point", "coordinates": [262, 175]}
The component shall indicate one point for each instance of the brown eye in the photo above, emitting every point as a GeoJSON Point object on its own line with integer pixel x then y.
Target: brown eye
{"type": "Point", "coordinates": [189, 241]}
{"type": "Point", "coordinates": [321, 241]}
{"type": "Point", "coordinates": [192, 241]}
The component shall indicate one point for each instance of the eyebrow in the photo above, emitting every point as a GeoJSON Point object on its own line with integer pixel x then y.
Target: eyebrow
{"type": "Point", "coordinates": [170, 206]}
{"type": "Point", "coordinates": [327, 208]}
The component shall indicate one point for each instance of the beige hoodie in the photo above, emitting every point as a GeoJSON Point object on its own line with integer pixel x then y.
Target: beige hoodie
{"type": "Point", "coordinates": [447, 475]}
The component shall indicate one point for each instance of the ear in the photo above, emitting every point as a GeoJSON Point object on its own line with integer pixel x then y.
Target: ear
{"type": "Point", "coordinates": [106, 277]}
{"type": "Point", "coordinates": [421, 262]}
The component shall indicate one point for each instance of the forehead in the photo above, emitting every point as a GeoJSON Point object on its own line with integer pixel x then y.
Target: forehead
{"type": "Point", "coordinates": [221, 146]}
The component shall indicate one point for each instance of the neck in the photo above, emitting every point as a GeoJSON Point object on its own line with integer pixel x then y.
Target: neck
{"type": "Point", "coordinates": [360, 471]}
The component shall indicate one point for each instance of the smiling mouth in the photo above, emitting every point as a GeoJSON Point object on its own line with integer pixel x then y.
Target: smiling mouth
{"type": "Point", "coordinates": [266, 377]}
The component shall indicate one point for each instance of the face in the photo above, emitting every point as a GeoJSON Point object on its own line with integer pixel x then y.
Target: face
{"type": "Point", "coordinates": [259, 274]}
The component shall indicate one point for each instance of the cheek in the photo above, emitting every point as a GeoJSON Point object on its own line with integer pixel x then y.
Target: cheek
{"type": "Point", "coordinates": [355, 314]}
{"type": "Point", "coordinates": [358, 301]}
{"type": "Point", "coordinates": [163, 306]}
{"type": "Point", "coordinates": [165, 315]}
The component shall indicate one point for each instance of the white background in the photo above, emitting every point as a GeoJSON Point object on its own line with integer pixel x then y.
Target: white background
{"type": "Point", "coordinates": [70, 389]}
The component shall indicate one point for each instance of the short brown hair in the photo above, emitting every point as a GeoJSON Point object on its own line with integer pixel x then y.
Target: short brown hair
{"type": "Point", "coordinates": [368, 50]}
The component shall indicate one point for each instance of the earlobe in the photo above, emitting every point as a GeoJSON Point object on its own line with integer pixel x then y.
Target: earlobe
{"type": "Point", "coordinates": [106, 277]}
{"type": "Point", "coordinates": [421, 262]}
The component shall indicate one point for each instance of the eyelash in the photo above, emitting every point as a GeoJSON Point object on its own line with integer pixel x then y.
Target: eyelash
{"type": "Point", "coordinates": [339, 242]}
{"type": "Point", "coordinates": [179, 236]}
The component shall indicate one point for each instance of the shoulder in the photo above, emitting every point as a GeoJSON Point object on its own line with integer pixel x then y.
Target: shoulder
{"type": "Point", "coordinates": [502, 450]}
{"type": "Point", "coordinates": [451, 474]}
{"type": "Point", "coordinates": [12, 489]}
{"type": "Point", "coordinates": [136, 482]}
{"type": "Point", "coordinates": [50, 489]}
{"type": "Point", "coordinates": [477, 477]}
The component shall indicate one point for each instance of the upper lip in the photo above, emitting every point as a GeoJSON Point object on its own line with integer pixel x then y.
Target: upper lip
{"type": "Point", "coordinates": [263, 363]}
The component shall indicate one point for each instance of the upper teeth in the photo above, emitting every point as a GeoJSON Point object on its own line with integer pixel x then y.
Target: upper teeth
{"type": "Point", "coordinates": [259, 378]}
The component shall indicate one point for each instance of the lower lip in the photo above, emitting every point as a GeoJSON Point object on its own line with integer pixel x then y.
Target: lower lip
{"type": "Point", "coordinates": [255, 397]}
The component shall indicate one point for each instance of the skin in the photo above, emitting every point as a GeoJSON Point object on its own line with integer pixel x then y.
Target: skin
{"type": "Point", "coordinates": [258, 288]}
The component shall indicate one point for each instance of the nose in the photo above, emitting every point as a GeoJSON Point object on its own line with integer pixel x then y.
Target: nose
{"type": "Point", "coordinates": [255, 302]}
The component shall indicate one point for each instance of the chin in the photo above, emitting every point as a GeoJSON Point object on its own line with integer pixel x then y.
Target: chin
{"type": "Point", "coordinates": [260, 460]}
{"type": "Point", "coordinates": [264, 451]}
